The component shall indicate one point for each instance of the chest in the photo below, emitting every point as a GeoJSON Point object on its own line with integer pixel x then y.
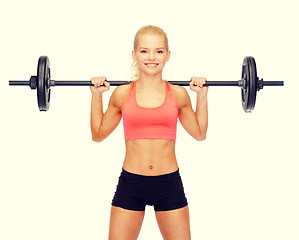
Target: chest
{"type": "Point", "coordinates": [150, 99]}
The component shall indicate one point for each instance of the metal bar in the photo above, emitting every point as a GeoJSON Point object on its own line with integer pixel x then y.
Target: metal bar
{"type": "Point", "coordinates": [208, 83]}
{"type": "Point", "coordinates": [18, 83]}
{"type": "Point", "coordinates": [117, 83]}
{"type": "Point", "coordinates": [84, 83]}
{"type": "Point", "coordinates": [273, 83]}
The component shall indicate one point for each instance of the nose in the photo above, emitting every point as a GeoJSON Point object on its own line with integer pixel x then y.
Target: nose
{"type": "Point", "coordinates": [151, 55]}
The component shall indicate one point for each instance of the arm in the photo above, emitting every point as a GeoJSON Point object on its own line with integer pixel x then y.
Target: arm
{"type": "Point", "coordinates": [195, 123]}
{"type": "Point", "coordinates": [202, 115]}
{"type": "Point", "coordinates": [102, 125]}
{"type": "Point", "coordinates": [96, 114]}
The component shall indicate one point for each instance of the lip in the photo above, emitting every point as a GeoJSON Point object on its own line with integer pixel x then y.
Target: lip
{"type": "Point", "coordinates": [151, 65]}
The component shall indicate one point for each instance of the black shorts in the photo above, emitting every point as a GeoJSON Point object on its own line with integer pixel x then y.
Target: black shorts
{"type": "Point", "coordinates": [164, 192]}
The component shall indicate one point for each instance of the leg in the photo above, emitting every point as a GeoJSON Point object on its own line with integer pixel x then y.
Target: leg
{"type": "Point", "coordinates": [125, 224]}
{"type": "Point", "coordinates": [174, 224]}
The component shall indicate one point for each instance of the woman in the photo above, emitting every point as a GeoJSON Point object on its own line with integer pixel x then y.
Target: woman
{"type": "Point", "coordinates": [150, 107]}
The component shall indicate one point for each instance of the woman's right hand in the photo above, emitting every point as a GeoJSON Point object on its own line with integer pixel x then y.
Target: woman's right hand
{"type": "Point", "coordinates": [97, 82]}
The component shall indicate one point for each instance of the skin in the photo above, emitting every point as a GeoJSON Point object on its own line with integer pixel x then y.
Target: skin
{"type": "Point", "coordinates": [149, 156]}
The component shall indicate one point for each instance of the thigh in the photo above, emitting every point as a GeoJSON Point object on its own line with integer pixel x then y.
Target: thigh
{"type": "Point", "coordinates": [174, 224]}
{"type": "Point", "coordinates": [125, 224]}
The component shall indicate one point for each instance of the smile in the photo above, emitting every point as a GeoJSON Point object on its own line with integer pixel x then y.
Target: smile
{"type": "Point", "coordinates": [151, 65]}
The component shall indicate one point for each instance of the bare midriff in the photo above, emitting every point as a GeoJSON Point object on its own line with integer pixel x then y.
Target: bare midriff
{"type": "Point", "coordinates": [150, 157]}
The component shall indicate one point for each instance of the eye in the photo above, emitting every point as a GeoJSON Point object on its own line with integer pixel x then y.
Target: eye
{"type": "Point", "coordinates": [160, 51]}
{"type": "Point", "coordinates": [143, 51]}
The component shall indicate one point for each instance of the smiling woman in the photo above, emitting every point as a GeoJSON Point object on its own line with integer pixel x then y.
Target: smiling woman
{"type": "Point", "coordinates": [150, 108]}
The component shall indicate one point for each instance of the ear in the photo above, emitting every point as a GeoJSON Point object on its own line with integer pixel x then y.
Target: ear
{"type": "Point", "coordinates": [133, 56]}
{"type": "Point", "coordinates": [168, 56]}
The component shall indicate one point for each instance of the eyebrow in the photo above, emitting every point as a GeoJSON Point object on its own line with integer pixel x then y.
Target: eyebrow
{"type": "Point", "coordinates": [155, 48]}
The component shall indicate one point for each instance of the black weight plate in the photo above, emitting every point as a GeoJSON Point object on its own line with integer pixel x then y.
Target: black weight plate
{"type": "Point", "coordinates": [43, 83]}
{"type": "Point", "coordinates": [248, 92]}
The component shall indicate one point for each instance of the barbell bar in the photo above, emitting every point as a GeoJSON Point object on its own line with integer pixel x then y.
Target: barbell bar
{"type": "Point", "coordinates": [249, 83]}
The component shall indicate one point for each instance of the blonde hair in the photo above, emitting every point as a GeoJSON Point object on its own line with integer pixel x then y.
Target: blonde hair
{"type": "Point", "coordinates": [146, 29]}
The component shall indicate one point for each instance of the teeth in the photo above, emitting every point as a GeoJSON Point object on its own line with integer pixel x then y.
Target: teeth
{"type": "Point", "coordinates": [151, 64]}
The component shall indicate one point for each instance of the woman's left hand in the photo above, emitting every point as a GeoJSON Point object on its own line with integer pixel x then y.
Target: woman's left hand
{"type": "Point", "coordinates": [196, 85]}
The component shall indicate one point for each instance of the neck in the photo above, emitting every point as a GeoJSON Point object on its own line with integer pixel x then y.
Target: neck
{"type": "Point", "coordinates": [150, 81]}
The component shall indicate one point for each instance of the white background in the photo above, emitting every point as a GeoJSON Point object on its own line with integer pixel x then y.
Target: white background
{"type": "Point", "coordinates": [241, 183]}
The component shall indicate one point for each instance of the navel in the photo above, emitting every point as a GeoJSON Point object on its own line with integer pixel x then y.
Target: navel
{"type": "Point", "coordinates": [151, 167]}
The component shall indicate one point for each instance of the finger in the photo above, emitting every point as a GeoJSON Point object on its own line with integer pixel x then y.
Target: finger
{"type": "Point", "coordinates": [95, 81]}
{"type": "Point", "coordinates": [92, 80]}
{"type": "Point", "coordinates": [203, 80]}
{"type": "Point", "coordinates": [200, 82]}
{"type": "Point", "coordinates": [197, 82]}
{"type": "Point", "coordinates": [101, 81]}
{"type": "Point", "coordinates": [193, 81]}
{"type": "Point", "coordinates": [107, 84]}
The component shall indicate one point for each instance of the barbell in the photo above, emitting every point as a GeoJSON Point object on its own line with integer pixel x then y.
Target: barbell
{"type": "Point", "coordinates": [250, 83]}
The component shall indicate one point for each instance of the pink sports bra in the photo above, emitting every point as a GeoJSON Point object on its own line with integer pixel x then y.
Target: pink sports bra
{"type": "Point", "coordinates": [149, 123]}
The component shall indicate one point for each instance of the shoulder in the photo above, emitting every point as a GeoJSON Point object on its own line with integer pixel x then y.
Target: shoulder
{"type": "Point", "coordinates": [180, 94]}
{"type": "Point", "coordinates": [119, 94]}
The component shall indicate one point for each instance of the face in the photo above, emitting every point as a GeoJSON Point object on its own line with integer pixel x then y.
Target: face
{"type": "Point", "coordinates": [151, 54]}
